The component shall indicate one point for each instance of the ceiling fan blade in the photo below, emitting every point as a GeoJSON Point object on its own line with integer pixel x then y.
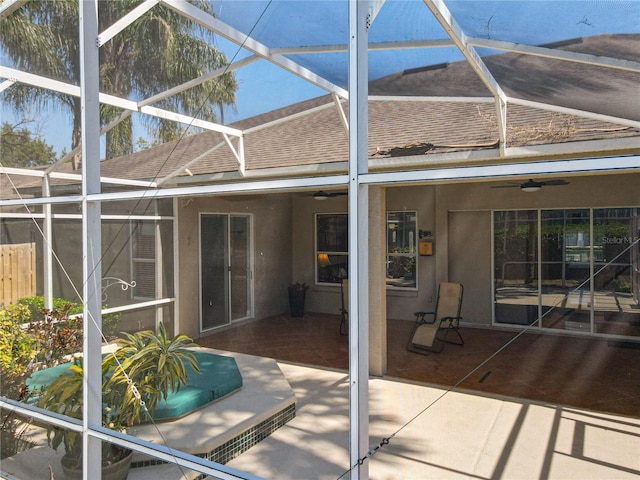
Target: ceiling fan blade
{"type": "Point", "coordinates": [554, 182]}
{"type": "Point", "coordinates": [322, 195]}
{"type": "Point", "coordinates": [531, 184]}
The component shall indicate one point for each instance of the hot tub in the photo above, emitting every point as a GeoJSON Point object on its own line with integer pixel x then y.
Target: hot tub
{"type": "Point", "coordinates": [219, 376]}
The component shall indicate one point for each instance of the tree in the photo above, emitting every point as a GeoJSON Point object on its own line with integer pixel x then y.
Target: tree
{"type": "Point", "coordinates": [19, 149]}
{"type": "Point", "coordinates": [159, 50]}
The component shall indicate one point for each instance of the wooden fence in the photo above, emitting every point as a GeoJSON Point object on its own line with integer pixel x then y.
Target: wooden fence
{"type": "Point", "coordinates": [17, 272]}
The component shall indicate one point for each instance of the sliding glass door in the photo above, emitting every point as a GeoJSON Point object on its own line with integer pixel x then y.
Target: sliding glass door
{"type": "Point", "coordinates": [225, 269]}
{"type": "Point", "coordinates": [615, 297]}
{"type": "Point", "coordinates": [565, 263]}
{"type": "Point", "coordinates": [570, 269]}
{"type": "Point", "coordinates": [515, 241]}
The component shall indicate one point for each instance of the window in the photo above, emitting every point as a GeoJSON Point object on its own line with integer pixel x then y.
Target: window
{"type": "Point", "coordinates": [571, 269]}
{"type": "Point", "coordinates": [143, 258]}
{"type": "Point", "coordinates": [332, 247]}
{"type": "Point", "coordinates": [401, 249]}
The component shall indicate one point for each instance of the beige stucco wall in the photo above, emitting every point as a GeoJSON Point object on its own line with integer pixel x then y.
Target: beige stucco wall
{"type": "Point", "coordinates": [459, 217]}
{"type": "Point", "coordinates": [462, 250]}
{"type": "Point", "coordinates": [320, 298]}
{"type": "Point", "coordinates": [326, 299]}
{"type": "Point", "coordinates": [272, 240]}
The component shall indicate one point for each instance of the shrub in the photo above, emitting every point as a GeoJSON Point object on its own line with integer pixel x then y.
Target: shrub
{"type": "Point", "coordinates": [17, 349]}
{"type": "Point", "coordinates": [35, 304]}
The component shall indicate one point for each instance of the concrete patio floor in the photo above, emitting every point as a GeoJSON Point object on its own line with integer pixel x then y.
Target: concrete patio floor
{"type": "Point", "coordinates": [462, 435]}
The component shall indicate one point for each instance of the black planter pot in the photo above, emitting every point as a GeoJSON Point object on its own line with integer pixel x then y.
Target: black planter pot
{"type": "Point", "coordinates": [296, 301]}
{"type": "Point", "coordinates": [118, 470]}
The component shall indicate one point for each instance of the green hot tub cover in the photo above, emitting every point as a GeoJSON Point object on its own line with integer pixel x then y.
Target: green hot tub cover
{"type": "Point", "coordinates": [219, 376]}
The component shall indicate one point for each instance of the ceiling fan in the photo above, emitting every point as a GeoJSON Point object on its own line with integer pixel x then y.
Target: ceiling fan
{"type": "Point", "coordinates": [322, 195]}
{"type": "Point", "coordinates": [533, 186]}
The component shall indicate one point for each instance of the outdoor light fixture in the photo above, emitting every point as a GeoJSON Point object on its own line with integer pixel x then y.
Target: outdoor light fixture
{"type": "Point", "coordinates": [530, 186]}
{"type": "Point", "coordinates": [321, 195]}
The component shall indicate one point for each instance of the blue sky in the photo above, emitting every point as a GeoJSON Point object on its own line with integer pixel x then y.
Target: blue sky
{"type": "Point", "coordinates": [264, 87]}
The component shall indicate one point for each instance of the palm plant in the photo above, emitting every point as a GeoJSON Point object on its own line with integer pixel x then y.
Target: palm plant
{"type": "Point", "coordinates": [155, 363]}
{"type": "Point", "coordinates": [165, 48]}
{"type": "Point", "coordinates": [144, 369]}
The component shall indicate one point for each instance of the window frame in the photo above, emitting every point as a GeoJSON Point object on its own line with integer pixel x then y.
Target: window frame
{"type": "Point", "coordinates": [330, 253]}
{"type": "Point", "coordinates": [414, 255]}
{"type": "Point", "coordinates": [333, 253]}
{"type": "Point", "coordinates": [142, 260]}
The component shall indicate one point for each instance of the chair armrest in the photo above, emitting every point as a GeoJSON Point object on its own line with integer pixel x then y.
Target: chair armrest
{"type": "Point", "coordinates": [420, 317]}
{"type": "Point", "coordinates": [450, 319]}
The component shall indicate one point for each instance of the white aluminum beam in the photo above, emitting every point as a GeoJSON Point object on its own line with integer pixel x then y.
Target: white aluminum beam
{"type": "Point", "coordinates": [38, 81]}
{"type": "Point", "coordinates": [358, 199]}
{"type": "Point", "coordinates": [557, 54]}
{"type": "Point", "coordinates": [47, 246]}
{"type": "Point", "coordinates": [9, 6]}
{"type": "Point", "coordinates": [237, 153]}
{"type": "Point", "coordinates": [68, 89]}
{"type": "Point", "coordinates": [578, 113]}
{"type": "Point", "coordinates": [446, 174]}
{"type": "Point", "coordinates": [186, 166]}
{"type": "Point", "coordinates": [287, 119]}
{"type": "Point", "coordinates": [125, 21]}
{"type": "Point", "coordinates": [74, 176]}
{"type": "Point", "coordinates": [596, 165]}
{"type": "Point", "coordinates": [338, 48]}
{"type": "Point", "coordinates": [374, 9]}
{"type": "Point", "coordinates": [394, 98]}
{"type": "Point", "coordinates": [91, 237]}
{"type": "Point", "coordinates": [446, 20]}
{"type": "Point", "coordinates": [184, 460]}
{"type": "Point", "coordinates": [187, 120]}
{"type": "Point", "coordinates": [341, 114]}
{"type": "Point", "coordinates": [553, 53]}
{"type": "Point", "coordinates": [197, 81]}
{"type": "Point", "coordinates": [255, 187]}
{"type": "Point", "coordinates": [6, 84]}
{"type": "Point", "coordinates": [213, 24]}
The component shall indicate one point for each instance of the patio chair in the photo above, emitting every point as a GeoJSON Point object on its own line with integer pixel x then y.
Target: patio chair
{"type": "Point", "coordinates": [344, 313]}
{"type": "Point", "coordinates": [432, 329]}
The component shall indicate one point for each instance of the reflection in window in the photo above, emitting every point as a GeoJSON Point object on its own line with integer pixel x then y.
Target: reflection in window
{"type": "Point", "coordinates": [588, 265]}
{"type": "Point", "coordinates": [515, 243]}
{"type": "Point", "coordinates": [616, 234]}
{"type": "Point", "coordinates": [401, 249]}
{"type": "Point", "coordinates": [565, 269]}
{"type": "Point", "coordinates": [332, 247]}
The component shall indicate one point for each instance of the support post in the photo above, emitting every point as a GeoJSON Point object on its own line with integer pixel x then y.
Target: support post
{"type": "Point", "coordinates": [377, 284]}
{"type": "Point", "coordinates": [47, 245]}
{"type": "Point", "coordinates": [91, 237]}
{"type": "Point", "coordinates": [359, 18]}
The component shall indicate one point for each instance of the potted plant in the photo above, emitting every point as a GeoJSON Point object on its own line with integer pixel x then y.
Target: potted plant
{"type": "Point", "coordinates": [153, 363]}
{"type": "Point", "coordinates": [297, 293]}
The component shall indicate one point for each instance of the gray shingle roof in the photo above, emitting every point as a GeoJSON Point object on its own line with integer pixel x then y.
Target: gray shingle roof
{"type": "Point", "coordinates": [557, 82]}
{"type": "Point", "coordinates": [311, 132]}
